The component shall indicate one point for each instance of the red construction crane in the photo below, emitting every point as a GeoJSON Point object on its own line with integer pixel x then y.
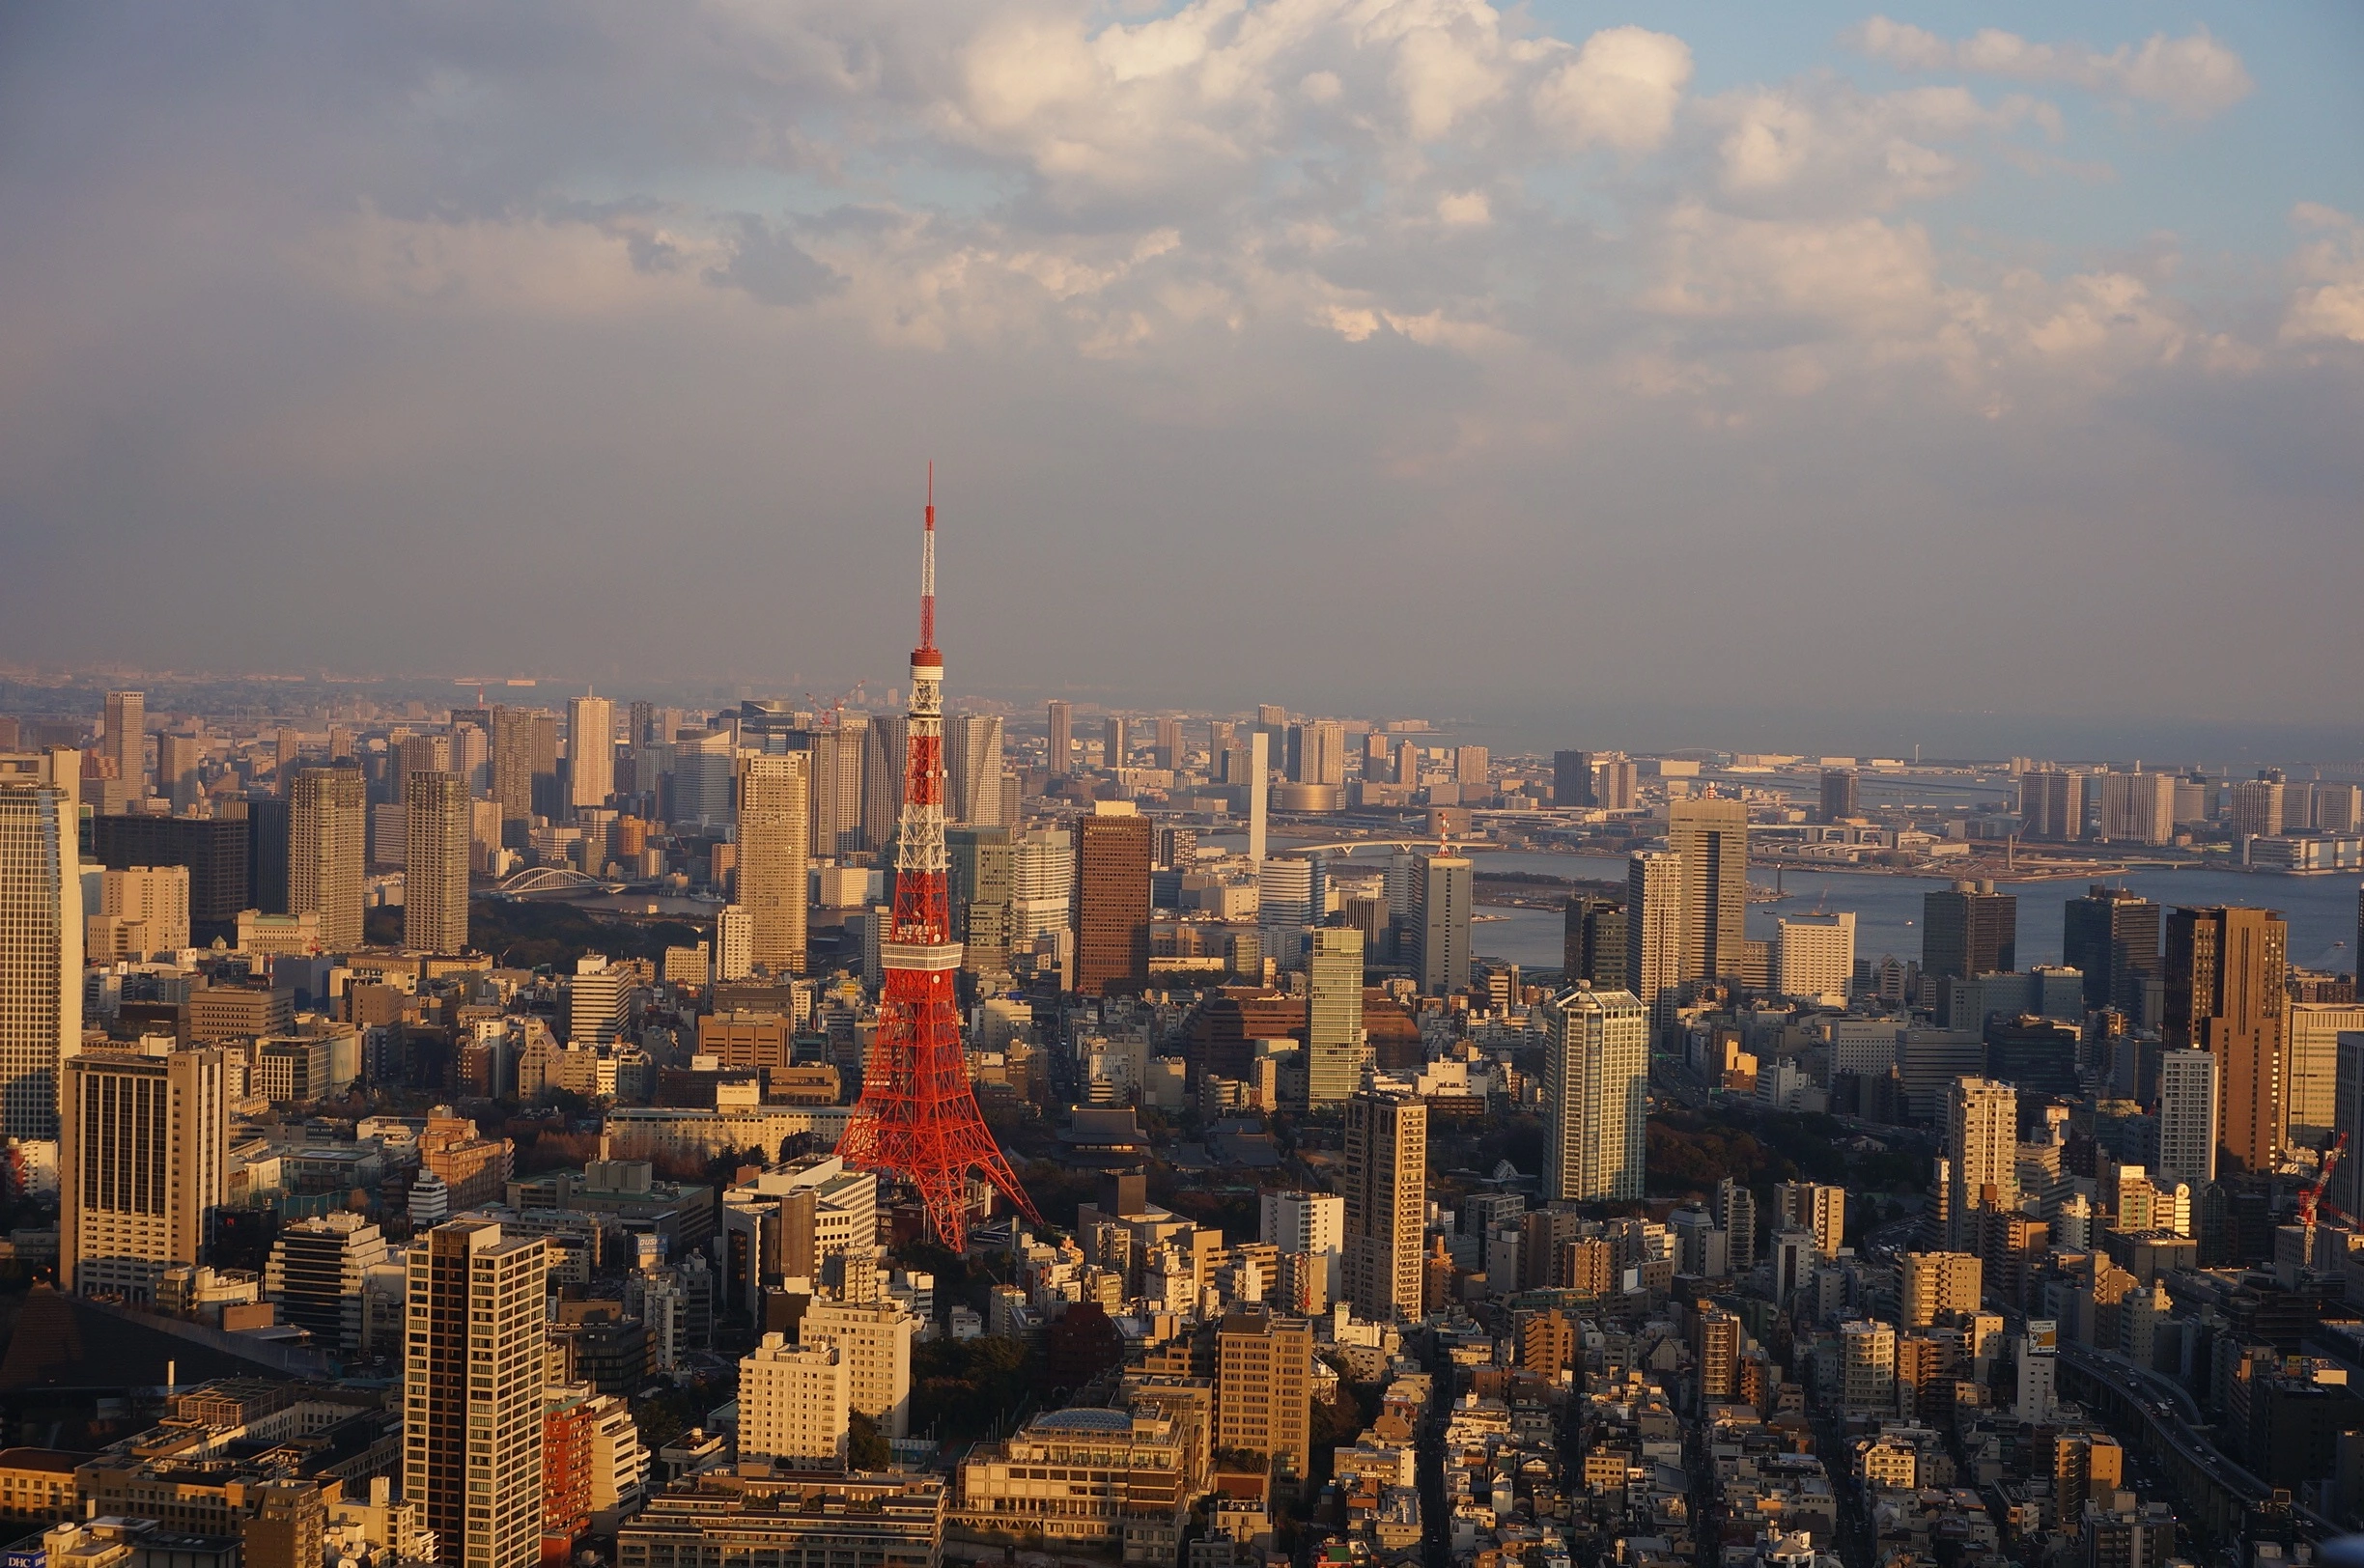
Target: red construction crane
{"type": "Point", "coordinates": [918, 1120]}
{"type": "Point", "coordinates": [2312, 1193]}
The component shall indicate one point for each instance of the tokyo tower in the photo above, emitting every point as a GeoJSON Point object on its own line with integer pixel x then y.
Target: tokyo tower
{"type": "Point", "coordinates": [917, 1119]}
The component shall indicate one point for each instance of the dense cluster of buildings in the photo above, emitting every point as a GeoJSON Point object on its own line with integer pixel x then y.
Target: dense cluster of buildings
{"type": "Point", "coordinates": [300, 1141]}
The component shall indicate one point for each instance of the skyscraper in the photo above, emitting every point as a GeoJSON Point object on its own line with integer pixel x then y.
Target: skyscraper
{"type": "Point", "coordinates": [216, 852]}
{"type": "Point", "coordinates": [2188, 1119]}
{"type": "Point", "coordinates": [590, 751]}
{"type": "Point", "coordinates": [1654, 921]}
{"type": "Point", "coordinates": [40, 958]}
{"type": "Point", "coordinates": [2137, 808]}
{"type": "Point", "coordinates": [143, 1156]}
{"type": "Point", "coordinates": [178, 754]}
{"type": "Point", "coordinates": [434, 861]}
{"type": "Point", "coordinates": [705, 767]}
{"type": "Point", "coordinates": [1116, 746]}
{"type": "Point", "coordinates": [127, 740]}
{"type": "Point", "coordinates": [1334, 1013]}
{"type": "Point", "coordinates": [883, 762]}
{"type": "Point", "coordinates": [981, 867]}
{"type": "Point", "coordinates": [524, 769]}
{"type": "Point", "coordinates": [1711, 836]}
{"type": "Point", "coordinates": [1062, 738]}
{"type": "Point", "coordinates": [1592, 941]}
{"type": "Point", "coordinates": [1259, 781]}
{"type": "Point", "coordinates": [837, 765]}
{"type": "Point", "coordinates": [1596, 1086]}
{"type": "Point", "coordinates": [1317, 752]}
{"type": "Point", "coordinates": [1169, 744]}
{"type": "Point", "coordinates": [1840, 800]}
{"type": "Point", "coordinates": [2052, 805]}
{"type": "Point", "coordinates": [973, 765]}
{"type": "Point", "coordinates": [1572, 778]}
{"type": "Point", "coordinates": [1115, 848]}
{"type": "Point", "coordinates": [328, 826]}
{"type": "Point", "coordinates": [475, 1363]}
{"type": "Point", "coordinates": [775, 868]}
{"type": "Point", "coordinates": [1982, 1146]}
{"type": "Point", "coordinates": [2227, 976]}
{"type": "Point", "coordinates": [1443, 891]}
{"type": "Point", "coordinates": [1619, 786]}
{"type": "Point", "coordinates": [1968, 930]}
{"type": "Point", "coordinates": [2111, 935]}
{"type": "Point", "coordinates": [1263, 1387]}
{"type": "Point", "coordinates": [1386, 1199]}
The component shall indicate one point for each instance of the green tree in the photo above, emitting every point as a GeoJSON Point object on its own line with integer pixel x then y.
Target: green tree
{"type": "Point", "coordinates": [865, 1445]}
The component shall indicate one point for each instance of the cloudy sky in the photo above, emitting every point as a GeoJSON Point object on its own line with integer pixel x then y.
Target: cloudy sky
{"type": "Point", "coordinates": [1698, 359]}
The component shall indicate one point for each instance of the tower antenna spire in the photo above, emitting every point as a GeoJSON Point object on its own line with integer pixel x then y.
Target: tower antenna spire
{"type": "Point", "coordinates": [927, 570]}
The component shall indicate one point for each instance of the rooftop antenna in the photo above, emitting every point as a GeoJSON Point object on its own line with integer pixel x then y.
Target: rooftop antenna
{"type": "Point", "coordinates": [927, 570]}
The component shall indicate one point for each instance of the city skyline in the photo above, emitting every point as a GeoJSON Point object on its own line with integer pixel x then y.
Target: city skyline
{"type": "Point", "coordinates": [2009, 352]}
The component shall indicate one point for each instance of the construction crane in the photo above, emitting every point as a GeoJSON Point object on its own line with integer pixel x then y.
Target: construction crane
{"type": "Point", "coordinates": [2312, 1193]}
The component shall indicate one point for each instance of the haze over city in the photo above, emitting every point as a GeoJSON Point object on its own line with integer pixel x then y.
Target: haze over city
{"type": "Point", "coordinates": [1719, 367]}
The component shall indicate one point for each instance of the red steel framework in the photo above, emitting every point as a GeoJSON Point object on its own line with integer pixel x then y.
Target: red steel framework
{"type": "Point", "coordinates": [918, 1120]}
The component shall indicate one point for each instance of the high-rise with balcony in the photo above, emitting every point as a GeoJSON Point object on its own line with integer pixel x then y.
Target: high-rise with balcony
{"type": "Point", "coordinates": [590, 751]}
{"type": "Point", "coordinates": [1387, 1200]}
{"type": "Point", "coordinates": [1980, 1147]}
{"type": "Point", "coordinates": [436, 862]}
{"type": "Point", "coordinates": [143, 1161]}
{"type": "Point", "coordinates": [775, 861]}
{"type": "Point", "coordinates": [40, 955]}
{"type": "Point", "coordinates": [524, 769]}
{"type": "Point", "coordinates": [2187, 1118]}
{"type": "Point", "coordinates": [1596, 1090]}
{"type": "Point", "coordinates": [475, 1361]}
{"type": "Point", "coordinates": [328, 829]}
{"type": "Point", "coordinates": [1654, 923]}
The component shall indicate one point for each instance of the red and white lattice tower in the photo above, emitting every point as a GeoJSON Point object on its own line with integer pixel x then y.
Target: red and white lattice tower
{"type": "Point", "coordinates": [917, 1119]}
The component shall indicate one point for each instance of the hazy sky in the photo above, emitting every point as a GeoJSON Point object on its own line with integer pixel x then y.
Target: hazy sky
{"type": "Point", "coordinates": [1380, 355]}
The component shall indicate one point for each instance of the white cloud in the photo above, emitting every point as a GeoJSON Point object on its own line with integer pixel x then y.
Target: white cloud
{"type": "Point", "coordinates": [1621, 91]}
{"type": "Point", "coordinates": [2329, 303]}
{"type": "Point", "coordinates": [2193, 76]}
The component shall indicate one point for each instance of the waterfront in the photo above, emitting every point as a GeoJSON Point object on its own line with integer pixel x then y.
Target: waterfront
{"type": "Point", "coordinates": [2321, 910]}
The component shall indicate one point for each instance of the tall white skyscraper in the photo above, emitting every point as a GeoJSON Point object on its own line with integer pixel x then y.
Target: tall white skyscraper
{"type": "Point", "coordinates": [1333, 1013]}
{"type": "Point", "coordinates": [328, 832]}
{"type": "Point", "coordinates": [143, 1158]}
{"type": "Point", "coordinates": [972, 786]}
{"type": "Point", "coordinates": [590, 751]}
{"type": "Point", "coordinates": [1259, 785]}
{"type": "Point", "coordinates": [1042, 881]}
{"type": "Point", "coordinates": [837, 786]}
{"type": "Point", "coordinates": [774, 863]}
{"type": "Point", "coordinates": [40, 955]}
{"type": "Point", "coordinates": [434, 861]}
{"type": "Point", "coordinates": [1442, 892]}
{"type": "Point", "coordinates": [476, 1357]}
{"type": "Point", "coordinates": [702, 763]}
{"type": "Point", "coordinates": [734, 949]}
{"type": "Point", "coordinates": [1596, 1085]}
{"type": "Point", "coordinates": [2188, 1119]}
{"type": "Point", "coordinates": [1654, 932]}
{"type": "Point", "coordinates": [1982, 1149]}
